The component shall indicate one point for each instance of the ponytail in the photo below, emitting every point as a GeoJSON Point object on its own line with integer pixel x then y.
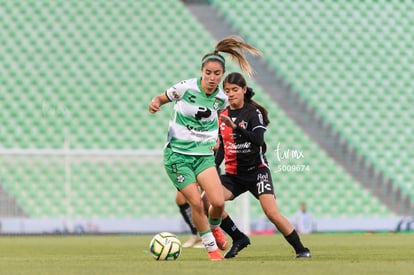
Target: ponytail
{"type": "Point", "coordinates": [236, 48]}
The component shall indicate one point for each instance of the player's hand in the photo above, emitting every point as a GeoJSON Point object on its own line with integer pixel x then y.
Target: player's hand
{"type": "Point", "coordinates": [227, 120]}
{"type": "Point", "coordinates": [154, 105]}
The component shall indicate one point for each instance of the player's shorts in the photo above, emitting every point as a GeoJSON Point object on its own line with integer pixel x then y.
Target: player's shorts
{"type": "Point", "coordinates": [183, 169]}
{"type": "Point", "coordinates": [258, 183]}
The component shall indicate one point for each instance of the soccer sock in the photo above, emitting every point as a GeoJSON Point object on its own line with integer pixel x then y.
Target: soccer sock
{"type": "Point", "coordinates": [231, 229]}
{"type": "Point", "coordinates": [185, 211]}
{"type": "Point", "coordinates": [208, 240]}
{"type": "Point", "coordinates": [294, 240]}
{"type": "Point", "coordinates": [214, 222]}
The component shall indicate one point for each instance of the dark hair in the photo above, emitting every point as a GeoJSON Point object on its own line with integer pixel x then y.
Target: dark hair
{"type": "Point", "coordinates": [235, 46]}
{"type": "Point", "coordinates": [239, 80]}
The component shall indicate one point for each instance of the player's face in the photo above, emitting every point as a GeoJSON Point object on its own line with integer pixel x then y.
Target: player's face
{"type": "Point", "coordinates": [212, 73]}
{"type": "Point", "coordinates": [235, 94]}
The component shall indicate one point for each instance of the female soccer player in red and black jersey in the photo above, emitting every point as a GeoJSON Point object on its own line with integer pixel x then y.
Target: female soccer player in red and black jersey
{"type": "Point", "coordinates": [242, 126]}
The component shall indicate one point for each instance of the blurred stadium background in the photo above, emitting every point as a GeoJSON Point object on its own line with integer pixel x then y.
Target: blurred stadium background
{"type": "Point", "coordinates": [80, 152]}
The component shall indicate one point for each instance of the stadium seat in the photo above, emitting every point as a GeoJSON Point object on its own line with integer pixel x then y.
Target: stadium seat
{"type": "Point", "coordinates": [92, 69]}
{"type": "Point", "coordinates": [349, 39]}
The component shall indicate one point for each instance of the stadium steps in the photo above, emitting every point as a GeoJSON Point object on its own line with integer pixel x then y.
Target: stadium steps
{"type": "Point", "coordinates": [94, 81]}
{"type": "Point", "coordinates": [265, 77]}
{"type": "Point", "coordinates": [300, 108]}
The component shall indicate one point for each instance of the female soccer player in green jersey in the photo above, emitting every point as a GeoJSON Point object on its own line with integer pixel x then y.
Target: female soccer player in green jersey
{"type": "Point", "coordinates": [192, 135]}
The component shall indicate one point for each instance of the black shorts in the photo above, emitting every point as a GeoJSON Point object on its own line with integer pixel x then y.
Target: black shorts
{"type": "Point", "coordinates": [258, 183]}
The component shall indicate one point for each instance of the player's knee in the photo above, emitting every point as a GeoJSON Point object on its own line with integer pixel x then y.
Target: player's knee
{"type": "Point", "coordinates": [218, 205]}
{"type": "Point", "coordinates": [198, 207]}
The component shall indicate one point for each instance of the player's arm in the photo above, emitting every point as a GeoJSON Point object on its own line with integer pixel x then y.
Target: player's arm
{"type": "Point", "coordinates": [256, 136]}
{"type": "Point", "coordinates": [157, 102]}
{"type": "Point", "coordinates": [172, 94]}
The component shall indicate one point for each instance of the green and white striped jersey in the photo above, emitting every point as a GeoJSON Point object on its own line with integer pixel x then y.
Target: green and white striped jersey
{"type": "Point", "coordinates": [193, 127]}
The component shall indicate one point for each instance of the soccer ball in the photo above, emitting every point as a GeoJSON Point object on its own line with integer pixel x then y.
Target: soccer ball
{"type": "Point", "coordinates": [165, 246]}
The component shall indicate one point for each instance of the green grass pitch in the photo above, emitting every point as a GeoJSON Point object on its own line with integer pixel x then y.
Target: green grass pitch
{"type": "Point", "coordinates": [380, 253]}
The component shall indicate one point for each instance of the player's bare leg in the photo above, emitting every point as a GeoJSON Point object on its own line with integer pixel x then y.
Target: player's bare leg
{"type": "Point", "coordinates": [192, 195]}
{"type": "Point", "coordinates": [271, 210]}
{"type": "Point", "coordinates": [211, 184]}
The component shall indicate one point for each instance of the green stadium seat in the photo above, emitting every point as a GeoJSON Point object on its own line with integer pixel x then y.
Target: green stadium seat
{"type": "Point", "coordinates": [98, 79]}
{"type": "Point", "coordinates": [353, 53]}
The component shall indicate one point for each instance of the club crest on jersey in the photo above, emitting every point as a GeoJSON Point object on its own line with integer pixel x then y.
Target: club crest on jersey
{"type": "Point", "coordinates": [216, 104]}
{"type": "Point", "coordinates": [175, 95]}
{"type": "Point", "coordinates": [180, 178]}
{"type": "Point", "coordinates": [243, 124]}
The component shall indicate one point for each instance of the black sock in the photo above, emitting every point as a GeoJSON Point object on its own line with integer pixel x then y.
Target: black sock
{"type": "Point", "coordinates": [231, 229]}
{"type": "Point", "coordinates": [294, 240]}
{"type": "Point", "coordinates": [185, 211]}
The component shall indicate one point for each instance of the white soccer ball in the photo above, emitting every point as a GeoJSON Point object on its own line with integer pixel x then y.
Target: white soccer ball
{"type": "Point", "coordinates": [165, 246]}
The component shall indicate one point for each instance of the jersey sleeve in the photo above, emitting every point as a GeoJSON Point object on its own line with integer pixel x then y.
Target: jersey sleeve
{"type": "Point", "coordinates": [256, 120]}
{"type": "Point", "coordinates": [256, 130]}
{"type": "Point", "coordinates": [177, 91]}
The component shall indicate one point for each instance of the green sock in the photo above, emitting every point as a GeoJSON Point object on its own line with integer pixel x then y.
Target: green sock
{"type": "Point", "coordinates": [214, 222]}
{"type": "Point", "coordinates": [204, 233]}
